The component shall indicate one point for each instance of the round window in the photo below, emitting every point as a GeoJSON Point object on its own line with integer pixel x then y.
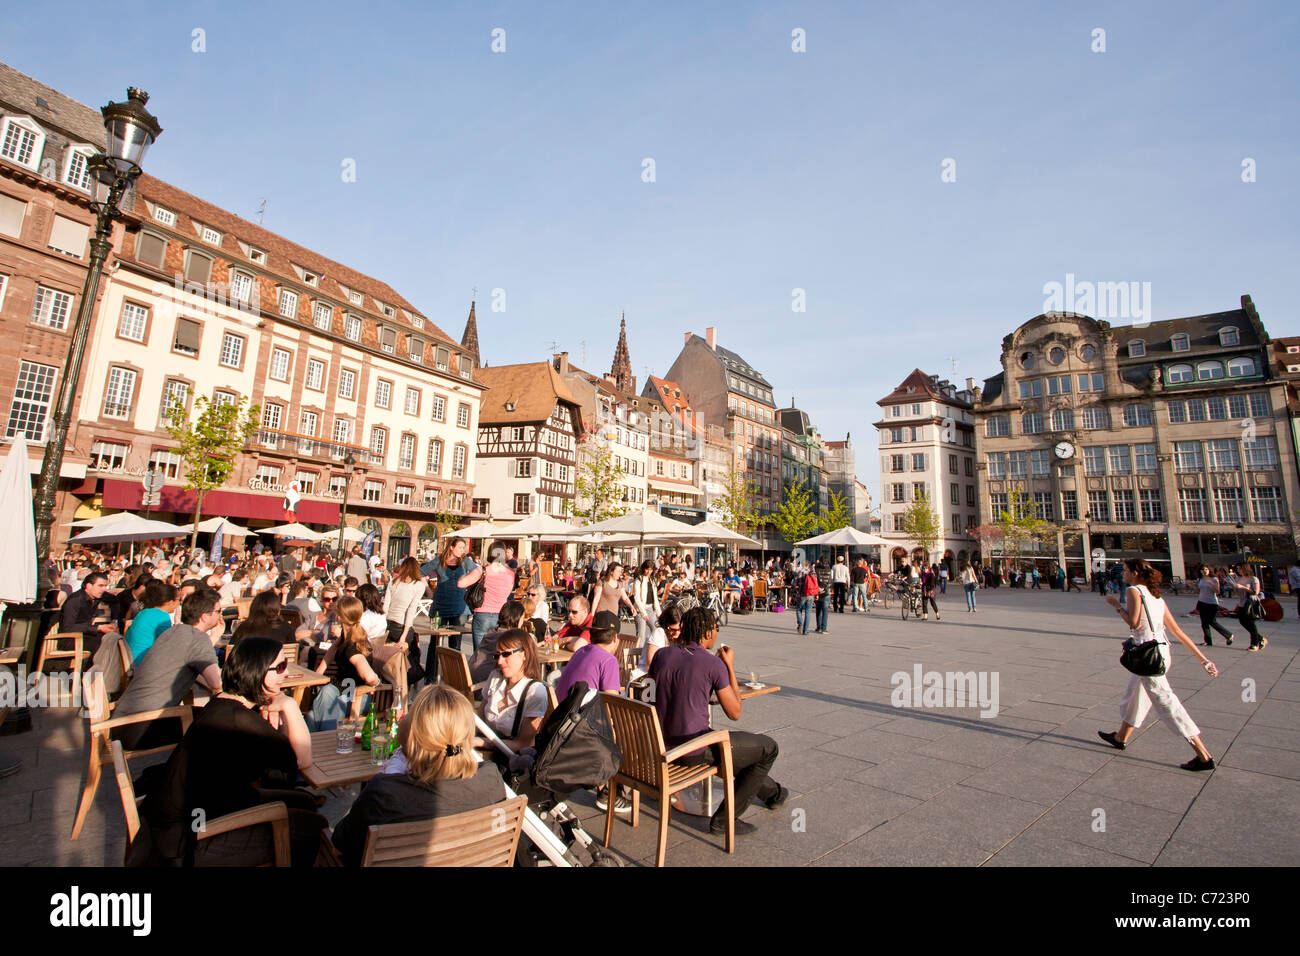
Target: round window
{"type": "Point", "coordinates": [1057, 355]}
{"type": "Point", "coordinates": [1088, 353]}
{"type": "Point", "coordinates": [1027, 360]}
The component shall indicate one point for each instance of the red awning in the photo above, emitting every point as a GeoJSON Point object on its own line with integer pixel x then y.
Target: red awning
{"type": "Point", "coordinates": [129, 496]}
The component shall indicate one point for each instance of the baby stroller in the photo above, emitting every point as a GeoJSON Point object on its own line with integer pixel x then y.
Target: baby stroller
{"type": "Point", "coordinates": [574, 750]}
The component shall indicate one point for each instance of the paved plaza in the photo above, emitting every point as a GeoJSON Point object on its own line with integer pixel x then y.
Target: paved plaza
{"type": "Point", "coordinates": [873, 784]}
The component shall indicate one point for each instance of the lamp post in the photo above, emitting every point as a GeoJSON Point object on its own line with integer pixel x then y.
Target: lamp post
{"type": "Point", "coordinates": [349, 466]}
{"type": "Point", "coordinates": [131, 131]}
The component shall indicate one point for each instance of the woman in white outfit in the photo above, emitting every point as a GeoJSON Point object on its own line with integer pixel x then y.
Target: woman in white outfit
{"type": "Point", "coordinates": [1149, 618]}
{"type": "Point", "coordinates": [646, 601]}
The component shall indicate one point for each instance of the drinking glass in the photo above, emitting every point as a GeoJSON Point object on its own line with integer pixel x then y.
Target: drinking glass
{"type": "Point", "coordinates": [346, 729]}
{"type": "Point", "coordinates": [379, 749]}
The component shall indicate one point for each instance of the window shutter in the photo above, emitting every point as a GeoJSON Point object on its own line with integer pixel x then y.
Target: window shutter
{"type": "Point", "coordinates": [388, 340]}
{"type": "Point", "coordinates": [149, 249]}
{"type": "Point", "coordinates": [187, 335]}
{"type": "Point", "coordinates": [198, 268]}
{"type": "Point", "coordinates": [69, 236]}
{"type": "Point", "coordinates": [11, 215]}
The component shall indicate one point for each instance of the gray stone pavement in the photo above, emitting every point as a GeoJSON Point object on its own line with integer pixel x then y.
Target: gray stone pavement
{"type": "Point", "coordinates": [873, 784]}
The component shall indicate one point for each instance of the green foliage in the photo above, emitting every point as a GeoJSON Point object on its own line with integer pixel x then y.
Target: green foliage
{"type": "Point", "coordinates": [1021, 525]}
{"type": "Point", "coordinates": [209, 442]}
{"type": "Point", "coordinates": [598, 491]}
{"type": "Point", "coordinates": [795, 519]}
{"type": "Point", "coordinates": [734, 503]}
{"type": "Point", "coordinates": [922, 524]}
{"type": "Point", "coordinates": [836, 515]}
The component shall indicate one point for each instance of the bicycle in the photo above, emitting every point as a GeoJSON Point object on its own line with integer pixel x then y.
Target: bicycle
{"type": "Point", "coordinates": [910, 600]}
{"type": "Point", "coordinates": [713, 601]}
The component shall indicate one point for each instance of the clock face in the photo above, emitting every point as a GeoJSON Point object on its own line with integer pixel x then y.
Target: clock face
{"type": "Point", "coordinates": [1064, 450]}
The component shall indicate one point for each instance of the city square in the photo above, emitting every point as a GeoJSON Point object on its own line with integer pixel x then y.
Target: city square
{"type": "Point", "coordinates": [740, 437]}
{"type": "Point", "coordinates": [877, 785]}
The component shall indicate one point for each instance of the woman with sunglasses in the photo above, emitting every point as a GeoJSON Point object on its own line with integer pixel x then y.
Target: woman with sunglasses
{"type": "Point", "coordinates": [243, 749]}
{"type": "Point", "coordinates": [515, 698]}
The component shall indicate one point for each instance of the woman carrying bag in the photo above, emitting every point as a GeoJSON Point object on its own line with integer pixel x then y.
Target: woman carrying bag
{"type": "Point", "coordinates": [1150, 620]}
{"type": "Point", "coordinates": [1247, 587]}
{"type": "Point", "coordinates": [969, 583]}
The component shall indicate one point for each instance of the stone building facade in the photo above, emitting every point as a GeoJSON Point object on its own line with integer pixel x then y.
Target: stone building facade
{"type": "Point", "coordinates": [1170, 441]}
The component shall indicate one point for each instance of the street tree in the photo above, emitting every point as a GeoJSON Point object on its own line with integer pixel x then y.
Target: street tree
{"type": "Point", "coordinates": [795, 519]}
{"type": "Point", "coordinates": [210, 438]}
{"type": "Point", "coordinates": [836, 515]}
{"type": "Point", "coordinates": [922, 524]}
{"type": "Point", "coordinates": [597, 486]}
{"type": "Point", "coordinates": [738, 514]}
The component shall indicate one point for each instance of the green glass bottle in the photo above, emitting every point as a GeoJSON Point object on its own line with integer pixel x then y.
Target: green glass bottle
{"type": "Point", "coordinates": [392, 730]}
{"type": "Point", "coordinates": [368, 730]}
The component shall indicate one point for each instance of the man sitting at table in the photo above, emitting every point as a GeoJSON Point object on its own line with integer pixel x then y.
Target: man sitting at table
{"type": "Point", "coordinates": [166, 674]}
{"type": "Point", "coordinates": [685, 675]}
{"type": "Point", "coordinates": [80, 610]}
{"type": "Point", "coordinates": [594, 664]}
{"type": "Point", "coordinates": [575, 633]}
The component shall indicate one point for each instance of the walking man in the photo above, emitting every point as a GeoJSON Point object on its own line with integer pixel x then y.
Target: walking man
{"type": "Point", "coordinates": [840, 583]}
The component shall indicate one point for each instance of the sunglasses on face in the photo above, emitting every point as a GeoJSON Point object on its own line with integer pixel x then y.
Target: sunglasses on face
{"type": "Point", "coordinates": [506, 654]}
{"type": "Point", "coordinates": [281, 667]}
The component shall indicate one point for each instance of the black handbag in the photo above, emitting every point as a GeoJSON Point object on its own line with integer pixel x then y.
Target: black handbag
{"type": "Point", "coordinates": [1145, 659]}
{"type": "Point", "coordinates": [474, 595]}
{"type": "Point", "coordinates": [1255, 608]}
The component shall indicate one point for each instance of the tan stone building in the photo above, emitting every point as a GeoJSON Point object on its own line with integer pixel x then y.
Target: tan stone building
{"type": "Point", "coordinates": [1170, 441]}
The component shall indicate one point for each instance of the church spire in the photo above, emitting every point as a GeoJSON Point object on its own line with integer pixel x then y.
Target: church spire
{"type": "Point", "coordinates": [470, 339]}
{"type": "Point", "coordinates": [624, 380]}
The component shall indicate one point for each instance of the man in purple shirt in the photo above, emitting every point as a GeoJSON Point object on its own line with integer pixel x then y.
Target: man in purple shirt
{"type": "Point", "coordinates": [685, 674]}
{"type": "Point", "coordinates": [594, 664]}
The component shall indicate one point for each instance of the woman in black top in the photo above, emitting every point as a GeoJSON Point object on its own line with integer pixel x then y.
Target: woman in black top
{"type": "Point", "coordinates": [264, 621]}
{"type": "Point", "coordinates": [442, 777]}
{"type": "Point", "coordinates": [243, 749]}
{"type": "Point", "coordinates": [353, 667]}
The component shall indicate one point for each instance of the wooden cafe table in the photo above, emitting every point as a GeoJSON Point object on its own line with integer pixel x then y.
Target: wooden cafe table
{"type": "Point", "coordinates": [298, 678]}
{"type": "Point", "coordinates": [329, 768]}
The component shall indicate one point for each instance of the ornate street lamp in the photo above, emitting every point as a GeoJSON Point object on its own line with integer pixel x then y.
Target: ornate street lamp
{"type": "Point", "coordinates": [131, 131]}
{"type": "Point", "coordinates": [349, 466]}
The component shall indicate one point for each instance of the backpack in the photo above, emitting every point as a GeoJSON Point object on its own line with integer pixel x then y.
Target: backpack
{"type": "Point", "coordinates": [811, 586]}
{"type": "Point", "coordinates": [575, 745]}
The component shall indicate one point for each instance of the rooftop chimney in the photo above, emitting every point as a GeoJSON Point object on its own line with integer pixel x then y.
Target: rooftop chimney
{"type": "Point", "coordinates": [970, 384]}
{"type": "Point", "coordinates": [688, 337]}
{"type": "Point", "coordinates": [711, 336]}
{"type": "Point", "coordinates": [561, 362]}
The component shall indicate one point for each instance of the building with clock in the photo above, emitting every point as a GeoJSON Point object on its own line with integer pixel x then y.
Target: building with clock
{"type": "Point", "coordinates": [1169, 441]}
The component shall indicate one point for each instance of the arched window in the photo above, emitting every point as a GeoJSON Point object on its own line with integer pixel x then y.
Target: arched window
{"type": "Point", "coordinates": [1208, 371]}
{"type": "Point", "coordinates": [1179, 373]}
{"type": "Point", "coordinates": [1062, 420]}
{"type": "Point", "coordinates": [1241, 367]}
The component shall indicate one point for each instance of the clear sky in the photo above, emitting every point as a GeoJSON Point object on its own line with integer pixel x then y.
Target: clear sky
{"type": "Point", "coordinates": [774, 170]}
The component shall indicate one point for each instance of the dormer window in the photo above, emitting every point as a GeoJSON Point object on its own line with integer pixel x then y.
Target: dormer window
{"type": "Point", "coordinates": [416, 320]}
{"type": "Point", "coordinates": [355, 297]}
{"type": "Point", "coordinates": [1230, 335]}
{"type": "Point", "coordinates": [309, 277]}
{"type": "Point", "coordinates": [442, 359]}
{"type": "Point", "coordinates": [1137, 348]}
{"type": "Point", "coordinates": [389, 311]}
{"type": "Point", "coordinates": [22, 142]}
{"type": "Point", "coordinates": [76, 172]}
{"type": "Point", "coordinates": [164, 216]}
{"type": "Point", "coordinates": [258, 256]}
{"type": "Point", "coordinates": [388, 340]}
{"type": "Point", "coordinates": [1182, 342]}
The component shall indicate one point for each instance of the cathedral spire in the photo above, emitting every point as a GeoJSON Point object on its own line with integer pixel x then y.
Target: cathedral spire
{"type": "Point", "coordinates": [470, 339]}
{"type": "Point", "coordinates": [624, 380]}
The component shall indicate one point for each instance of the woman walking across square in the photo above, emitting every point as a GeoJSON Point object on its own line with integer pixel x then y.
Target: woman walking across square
{"type": "Point", "coordinates": [1149, 618]}
{"type": "Point", "coordinates": [1207, 606]}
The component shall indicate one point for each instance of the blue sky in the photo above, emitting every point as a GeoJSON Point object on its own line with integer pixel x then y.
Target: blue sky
{"type": "Point", "coordinates": [774, 170]}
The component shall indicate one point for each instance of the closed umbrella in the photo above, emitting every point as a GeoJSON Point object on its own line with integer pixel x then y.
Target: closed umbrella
{"type": "Point", "coordinates": [18, 546]}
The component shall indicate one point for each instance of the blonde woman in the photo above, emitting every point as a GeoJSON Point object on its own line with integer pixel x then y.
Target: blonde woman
{"type": "Point", "coordinates": [441, 774]}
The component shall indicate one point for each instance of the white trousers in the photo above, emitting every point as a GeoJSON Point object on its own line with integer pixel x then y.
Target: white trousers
{"type": "Point", "coordinates": [1147, 692]}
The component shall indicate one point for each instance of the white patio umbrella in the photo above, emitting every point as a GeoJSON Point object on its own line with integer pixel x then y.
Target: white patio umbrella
{"type": "Point", "coordinates": [541, 526]}
{"type": "Point", "coordinates": [485, 530]}
{"type": "Point", "coordinates": [133, 529]}
{"type": "Point", "coordinates": [350, 535]}
{"type": "Point", "coordinates": [101, 520]}
{"type": "Point", "coordinates": [228, 529]}
{"type": "Point", "coordinates": [710, 532]}
{"type": "Point", "coordinates": [645, 526]}
{"type": "Point", "coordinates": [294, 530]}
{"type": "Point", "coordinates": [849, 537]}
{"type": "Point", "coordinates": [18, 546]}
